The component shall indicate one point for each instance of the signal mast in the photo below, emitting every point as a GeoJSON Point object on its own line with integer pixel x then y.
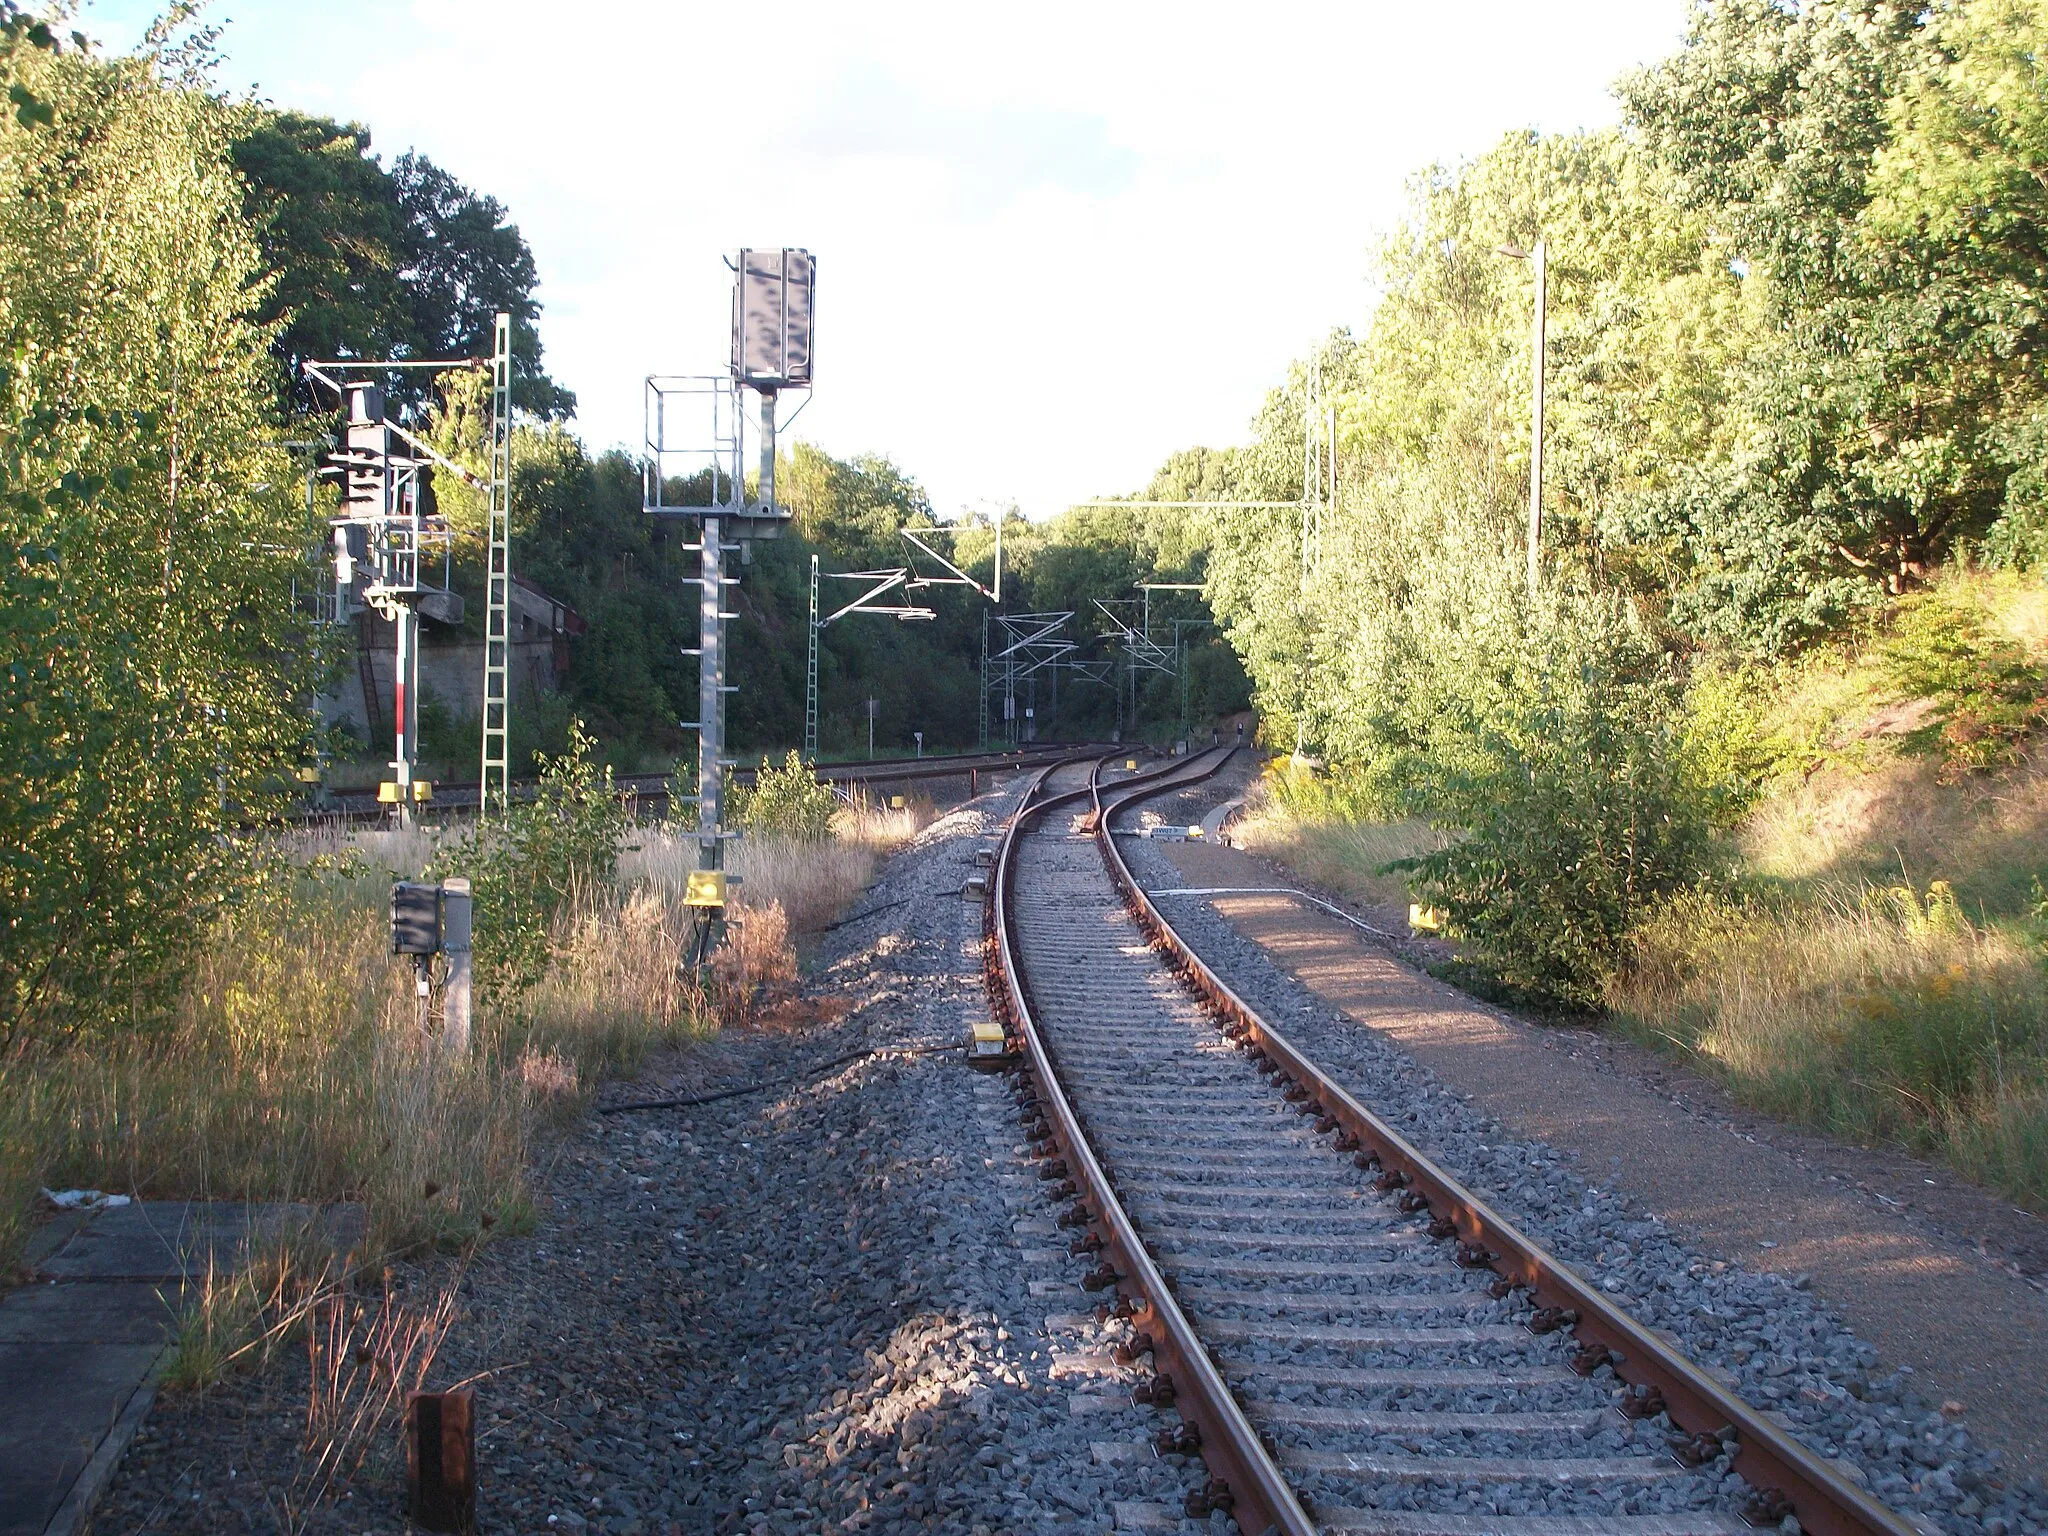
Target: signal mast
{"type": "Point", "coordinates": [694, 473]}
{"type": "Point", "coordinates": [385, 541]}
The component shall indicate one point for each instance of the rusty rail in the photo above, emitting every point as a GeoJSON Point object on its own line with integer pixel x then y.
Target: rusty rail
{"type": "Point", "coordinates": [1787, 1476]}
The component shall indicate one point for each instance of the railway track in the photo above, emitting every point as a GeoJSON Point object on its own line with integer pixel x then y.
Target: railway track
{"type": "Point", "coordinates": [651, 790]}
{"type": "Point", "coordinates": [1351, 1339]}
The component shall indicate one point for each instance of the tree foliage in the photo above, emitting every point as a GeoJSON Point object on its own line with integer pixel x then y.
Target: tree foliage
{"type": "Point", "coordinates": [1794, 363]}
{"type": "Point", "coordinates": [156, 675]}
{"type": "Point", "coordinates": [401, 263]}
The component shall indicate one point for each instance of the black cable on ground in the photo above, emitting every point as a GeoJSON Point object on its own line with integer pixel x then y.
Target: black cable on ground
{"type": "Point", "coordinates": [781, 1082]}
{"type": "Point", "coordinates": [870, 912]}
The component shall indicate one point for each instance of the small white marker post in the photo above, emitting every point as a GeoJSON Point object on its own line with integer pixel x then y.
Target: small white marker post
{"type": "Point", "coordinates": [456, 915]}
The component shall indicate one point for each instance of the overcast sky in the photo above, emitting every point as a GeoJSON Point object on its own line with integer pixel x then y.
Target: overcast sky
{"type": "Point", "coordinates": [1055, 242]}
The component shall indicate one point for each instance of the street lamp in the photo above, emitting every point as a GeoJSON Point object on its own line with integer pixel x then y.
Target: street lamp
{"type": "Point", "coordinates": [1536, 259]}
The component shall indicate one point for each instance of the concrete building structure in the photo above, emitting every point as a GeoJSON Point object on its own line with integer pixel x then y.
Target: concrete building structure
{"type": "Point", "coordinates": [452, 662]}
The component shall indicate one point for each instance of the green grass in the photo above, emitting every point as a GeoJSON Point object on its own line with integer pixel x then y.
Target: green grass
{"type": "Point", "coordinates": [1876, 969]}
{"type": "Point", "coordinates": [1889, 1019]}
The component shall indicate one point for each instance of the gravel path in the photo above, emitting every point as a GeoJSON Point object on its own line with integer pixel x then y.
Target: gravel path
{"type": "Point", "coordinates": [834, 1306]}
{"type": "Point", "coordinates": [1775, 1343]}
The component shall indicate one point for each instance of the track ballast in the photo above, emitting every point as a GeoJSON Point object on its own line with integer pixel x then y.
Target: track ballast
{"type": "Point", "coordinates": [1351, 1340]}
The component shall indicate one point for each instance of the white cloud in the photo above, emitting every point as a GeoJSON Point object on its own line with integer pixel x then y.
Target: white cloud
{"type": "Point", "coordinates": [1055, 242]}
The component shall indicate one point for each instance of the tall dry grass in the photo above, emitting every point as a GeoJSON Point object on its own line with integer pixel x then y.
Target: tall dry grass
{"type": "Point", "coordinates": [294, 1067]}
{"type": "Point", "coordinates": [813, 882]}
{"type": "Point", "coordinates": [870, 820]}
{"type": "Point", "coordinates": [1896, 820]}
{"type": "Point", "coordinates": [1288, 821]}
{"type": "Point", "coordinates": [1877, 1014]}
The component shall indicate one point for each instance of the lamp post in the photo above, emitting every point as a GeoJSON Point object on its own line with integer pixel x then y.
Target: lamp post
{"type": "Point", "coordinates": [1536, 259]}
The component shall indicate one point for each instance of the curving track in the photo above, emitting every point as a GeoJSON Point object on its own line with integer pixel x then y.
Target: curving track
{"type": "Point", "coordinates": [1352, 1340]}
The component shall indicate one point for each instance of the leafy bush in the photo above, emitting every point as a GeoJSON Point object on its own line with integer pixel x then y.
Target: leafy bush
{"type": "Point", "coordinates": [528, 870]}
{"type": "Point", "coordinates": [787, 802]}
{"type": "Point", "coordinates": [1987, 691]}
{"type": "Point", "coordinates": [153, 665]}
{"type": "Point", "coordinates": [1549, 746]}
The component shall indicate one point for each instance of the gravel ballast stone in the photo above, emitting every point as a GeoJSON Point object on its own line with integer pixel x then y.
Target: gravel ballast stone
{"type": "Point", "coordinates": [1778, 1347]}
{"type": "Point", "coordinates": [837, 1305]}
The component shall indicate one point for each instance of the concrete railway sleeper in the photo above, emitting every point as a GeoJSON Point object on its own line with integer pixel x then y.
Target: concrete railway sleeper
{"type": "Point", "coordinates": [1350, 1338]}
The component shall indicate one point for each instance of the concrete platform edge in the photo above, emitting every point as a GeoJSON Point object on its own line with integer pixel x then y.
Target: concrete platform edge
{"type": "Point", "coordinates": [94, 1478]}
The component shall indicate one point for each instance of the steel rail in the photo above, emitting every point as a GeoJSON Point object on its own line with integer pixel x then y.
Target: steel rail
{"type": "Point", "coordinates": [460, 795]}
{"type": "Point", "coordinates": [1770, 1459]}
{"type": "Point", "coordinates": [1262, 1500]}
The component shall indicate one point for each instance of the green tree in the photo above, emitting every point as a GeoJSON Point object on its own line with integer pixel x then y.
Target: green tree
{"type": "Point", "coordinates": [403, 263]}
{"type": "Point", "coordinates": [1891, 392]}
{"type": "Point", "coordinates": [1963, 174]}
{"type": "Point", "coordinates": [154, 675]}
